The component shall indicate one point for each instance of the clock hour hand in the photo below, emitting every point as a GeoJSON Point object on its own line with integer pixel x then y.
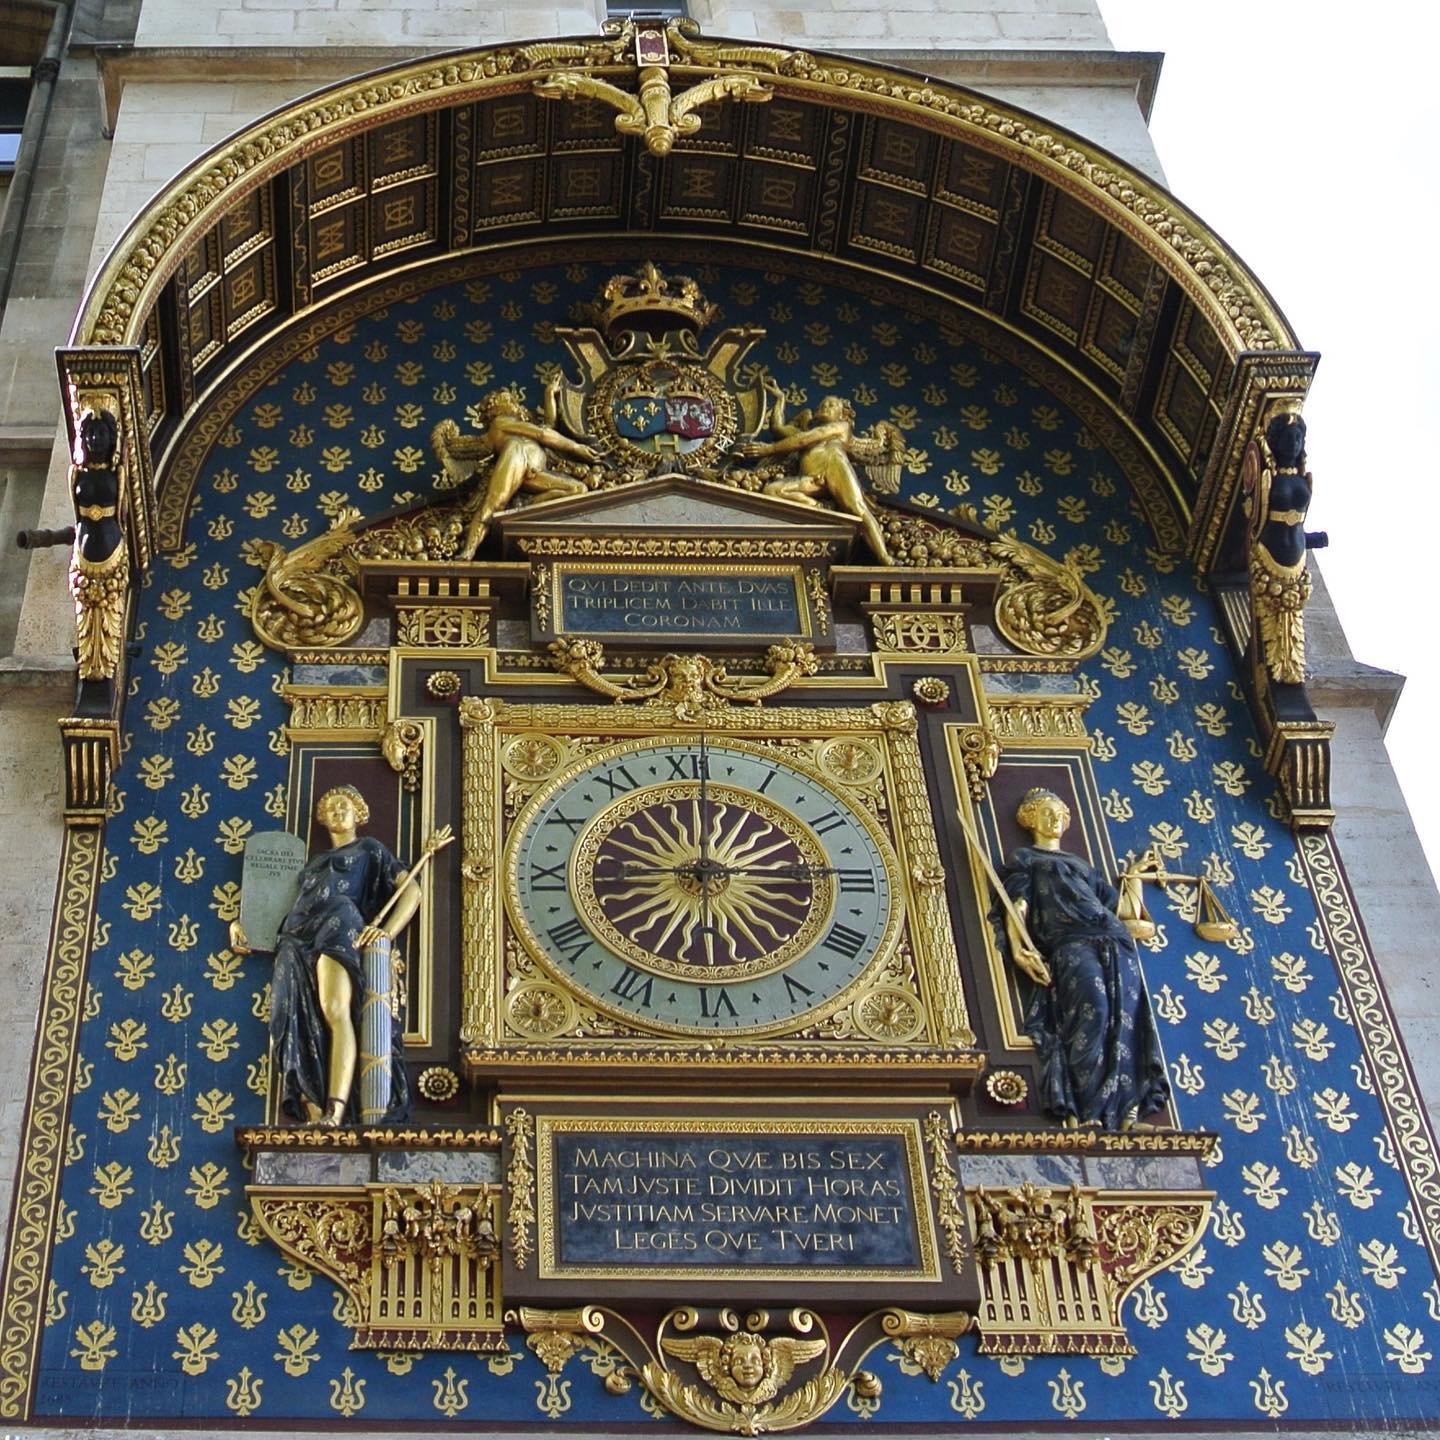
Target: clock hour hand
{"type": "Point", "coordinates": [628, 871]}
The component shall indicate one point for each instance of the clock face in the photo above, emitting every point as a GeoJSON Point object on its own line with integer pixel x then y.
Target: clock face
{"type": "Point", "coordinates": [702, 886]}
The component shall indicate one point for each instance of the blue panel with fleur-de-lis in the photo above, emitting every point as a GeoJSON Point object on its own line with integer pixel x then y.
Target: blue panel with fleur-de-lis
{"type": "Point", "coordinates": [1311, 1300]}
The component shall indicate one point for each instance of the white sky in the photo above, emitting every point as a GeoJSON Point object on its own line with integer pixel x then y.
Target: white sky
{"type": "Point", "coordinates": [1304, 133]}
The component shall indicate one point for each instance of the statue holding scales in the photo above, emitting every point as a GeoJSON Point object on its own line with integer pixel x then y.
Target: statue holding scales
{"type": "Point", "coordinates": [332, 1011]}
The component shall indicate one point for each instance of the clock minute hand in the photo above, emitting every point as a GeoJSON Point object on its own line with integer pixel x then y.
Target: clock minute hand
{"type": "Point", "coordinates": [627, 871]}
{"type": "Point", "coordinates": [786, 872]}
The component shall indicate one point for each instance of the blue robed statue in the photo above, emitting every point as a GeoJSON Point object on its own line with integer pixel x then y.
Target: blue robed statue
{"type": "Point", "coordinates": [1089, 1013]}
{"type": "Point", "coordinates": [354, 898]}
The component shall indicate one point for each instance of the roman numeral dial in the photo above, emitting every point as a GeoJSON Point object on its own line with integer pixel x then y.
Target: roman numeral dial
{"type": "Point", "coordinates": [700, 884]}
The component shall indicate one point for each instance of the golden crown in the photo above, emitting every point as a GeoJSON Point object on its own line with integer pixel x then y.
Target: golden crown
{"type": "Point", "coordinates": [653, 303]}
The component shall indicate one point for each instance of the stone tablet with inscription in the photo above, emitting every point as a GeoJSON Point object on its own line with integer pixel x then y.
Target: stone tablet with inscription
{"type": "Point", "coordinates": [269, 883]}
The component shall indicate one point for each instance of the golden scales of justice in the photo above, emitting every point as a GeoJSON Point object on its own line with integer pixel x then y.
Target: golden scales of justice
{"type": "Point", "coordinates": [1211, 920]}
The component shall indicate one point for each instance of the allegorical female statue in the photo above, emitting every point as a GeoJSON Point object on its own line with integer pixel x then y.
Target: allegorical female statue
{"type": "Point", "coordinates": [1089, 1015]}
{"type": "Point", "coordinates": [318, 988]}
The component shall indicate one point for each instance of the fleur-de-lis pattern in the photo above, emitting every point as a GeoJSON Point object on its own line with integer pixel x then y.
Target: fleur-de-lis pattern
{"type": "Point", "coordinates": [1315, 1262]}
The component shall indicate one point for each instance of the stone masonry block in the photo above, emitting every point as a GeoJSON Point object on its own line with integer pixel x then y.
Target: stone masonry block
{"type": "Point", "coordinates": [964, 29]}
{"type": "Point", "coordinates": [1057, 30]}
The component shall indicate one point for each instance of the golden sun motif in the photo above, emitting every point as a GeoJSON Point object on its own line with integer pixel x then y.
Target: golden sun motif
{"type": "Point", "coordinates": [734, 887]}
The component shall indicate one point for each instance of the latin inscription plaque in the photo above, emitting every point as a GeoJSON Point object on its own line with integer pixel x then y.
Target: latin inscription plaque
{"type": "Point", "coordinates": [743, 602]}
{"type": "Point", "coordinates": [735, 1207]}
{"type": "Point", "coordinates": [681, 1203]}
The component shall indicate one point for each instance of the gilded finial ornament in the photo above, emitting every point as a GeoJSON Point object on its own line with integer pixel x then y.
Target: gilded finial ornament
{"type": "Point", "coordinates": [653, 114]}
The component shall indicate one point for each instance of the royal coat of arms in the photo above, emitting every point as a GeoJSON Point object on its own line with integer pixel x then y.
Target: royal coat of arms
{"type": "Point", "coordinates": [648, 399]}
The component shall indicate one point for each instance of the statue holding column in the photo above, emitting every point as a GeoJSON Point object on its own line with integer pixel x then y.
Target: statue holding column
{"type": "Point", "coordinates": [334, 1012]}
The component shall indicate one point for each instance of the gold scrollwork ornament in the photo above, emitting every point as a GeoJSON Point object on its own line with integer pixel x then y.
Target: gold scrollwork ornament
{"type": "Point", "coordinates": [1044, 606]}
{"type": "Point", "coordinates": [654, 115]}
{"type": "Point", "coordinates": [307, 595]}
{"type": "Point", "coordinates": [694, 684]}
{"type": "Point", "coordinates": [744, 1374]}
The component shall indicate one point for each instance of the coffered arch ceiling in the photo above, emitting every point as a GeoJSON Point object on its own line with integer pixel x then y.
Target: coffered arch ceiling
{"type": "Point", "coordinates": [870, 174]}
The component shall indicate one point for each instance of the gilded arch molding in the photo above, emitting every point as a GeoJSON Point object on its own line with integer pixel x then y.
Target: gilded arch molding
{"type": "Point", "coordinates": [908, 179]}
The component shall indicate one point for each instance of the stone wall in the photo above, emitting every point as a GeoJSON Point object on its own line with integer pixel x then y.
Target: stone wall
{"type": "Point", "coordinates": [444, 24]}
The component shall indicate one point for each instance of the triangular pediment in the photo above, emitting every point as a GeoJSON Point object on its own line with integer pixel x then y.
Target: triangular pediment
{"type": "Point", "coordinates": [678, 506]}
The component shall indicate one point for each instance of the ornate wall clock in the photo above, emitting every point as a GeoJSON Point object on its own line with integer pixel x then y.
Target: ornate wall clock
{"type": "Point", "coordinates": [738, 887]}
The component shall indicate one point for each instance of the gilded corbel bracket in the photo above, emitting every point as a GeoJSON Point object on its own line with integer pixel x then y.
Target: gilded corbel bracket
{"type": "Point", "coordinates": [1057, 1265]}
{"type": "Point", "coordinates": [1298, 756]}
{"type": "Point", "coordinates": [92, 750]}
{"type": "Point", "coordinates": [742, 1374]}
{"type": "Point", "coordinates": [416, 1262]}
{"type": "Point", "coordinates": [693, 684]}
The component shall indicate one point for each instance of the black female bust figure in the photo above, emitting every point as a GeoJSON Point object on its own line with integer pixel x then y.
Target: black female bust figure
{"type": "Point", "coordinates": [99, 575]}
{"type": "Point", "coordinates": [1089, 1015]}
{"type": "Point", "coordinates": [1280, 584]}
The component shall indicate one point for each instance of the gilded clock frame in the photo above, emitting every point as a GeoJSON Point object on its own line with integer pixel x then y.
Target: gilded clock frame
{"type": "Point", "coordinates": [495, 964]}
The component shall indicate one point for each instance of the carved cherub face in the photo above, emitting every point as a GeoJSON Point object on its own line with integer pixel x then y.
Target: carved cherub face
{"type": "Point", "coordinates": [832, 408]}
{"type": "Point", "coordinates": [745, 1360]}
